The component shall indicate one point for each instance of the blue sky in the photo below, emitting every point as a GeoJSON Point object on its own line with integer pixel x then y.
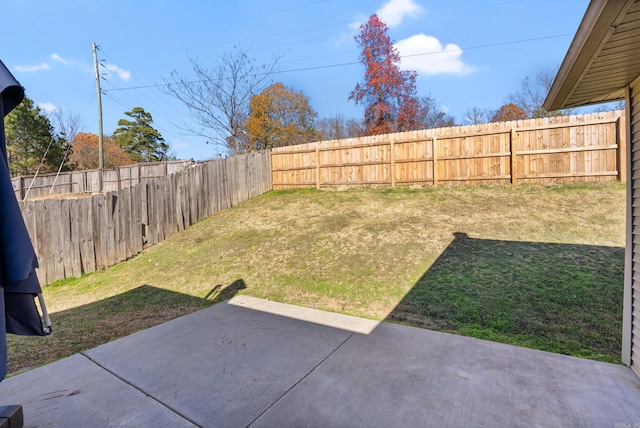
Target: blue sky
{"type": "Point", "coordinates": [468, 53]}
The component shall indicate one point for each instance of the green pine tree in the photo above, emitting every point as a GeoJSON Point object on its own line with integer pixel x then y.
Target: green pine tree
{"type": "Point", "coordinates": [139, 139]}
{"type": "Point", "coordinates": [31, 141]}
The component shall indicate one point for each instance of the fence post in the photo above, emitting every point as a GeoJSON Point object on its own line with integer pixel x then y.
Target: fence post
{"type": "Point", "coordinates": [317, 167]}
{"type": "Point", "coordinates": [435, 160]}
{"type": "Point", "coordinates": [271, 172]}
{"type": "Point", "coordinates": [621, 151]}
{"type": "Point", "coordinates": [392, 164]}
{"type": "Point", "coordinates": [512, 149]}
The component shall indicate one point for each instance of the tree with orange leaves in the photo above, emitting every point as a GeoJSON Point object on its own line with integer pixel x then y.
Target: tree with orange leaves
{"type": "Point", "coordinates": [389, 94]}
{"type": "Point", "coordinates": [280, 116]}
{"type": "Point", "coordinates": [84, 152]}
{"type": "Point", "coordinates": [509, 112]}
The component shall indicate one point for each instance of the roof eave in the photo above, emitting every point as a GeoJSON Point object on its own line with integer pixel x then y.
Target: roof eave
{"type": "Point", "coordinates": [593, 32]}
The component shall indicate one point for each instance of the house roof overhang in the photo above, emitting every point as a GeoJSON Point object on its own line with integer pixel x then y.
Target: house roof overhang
{"type": "Point", "coordinates": [603, 59]}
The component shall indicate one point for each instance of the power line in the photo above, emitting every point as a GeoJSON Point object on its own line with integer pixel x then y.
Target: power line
{"type": "Point", "coordinates": [344, 64]}
{"type": "Point", "coordinates": [216, 42]}
{"type": "Point", "coordinates": [117, 101]}
{"type": "Point", "coordinates": [292, 8]}
{"type": "Point", "coordinates": [126, 82]}
{"type": "Point", "coordinates": [492, 45]}
{"type": "Point", "coordinates": [155, 103]}
{"type": "Point", "coordinates": [165, 131]}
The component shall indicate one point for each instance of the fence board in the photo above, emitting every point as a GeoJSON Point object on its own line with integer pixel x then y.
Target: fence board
{"type": "Point", "coordinates": [152, 203]}
{"type": "Point", "coordinates": [58, 237]}
{"type": "Point", "coordinates": [98, 204]}
{"type": "Point", "coordinates": [128, 223]}
{"type": "Point", "coordinates": [167, 217]}
{"type": "Point", "coordinates": [85, 232]}
{"type": "Point", "coordinates": [42, 232]}
{"type": "Point", "coordinates": [183, 196]}
{"type": "Point", "coordinates": [73, 263]}
{"type": "Point", "coordinates": [135, 238]}
{"type": "Point", "coordinates": [109, 235]}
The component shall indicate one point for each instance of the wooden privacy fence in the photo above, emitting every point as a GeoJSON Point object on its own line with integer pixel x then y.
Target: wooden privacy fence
{"type": "Point", "coordinates": [567, 148]}
{"type": "Point", "coordinates": [76, 236]}
{"type": "Point", "coordinates": [94, 180]}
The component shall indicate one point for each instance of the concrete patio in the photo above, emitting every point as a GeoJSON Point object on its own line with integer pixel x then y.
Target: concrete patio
{"type": "Point", "coordinates": [251, 362]}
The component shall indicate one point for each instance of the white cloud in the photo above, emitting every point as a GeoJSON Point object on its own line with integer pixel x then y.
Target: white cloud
{"type": "Point", "coordinates": [58, 58]}
{"type": "Point", "coordinates": [121, 73]}
{"type": "Point", "coordinates": [426, 55]}
{"type": "Point", "coordinates": [47, 107]}
{"type": "Point", "coordinates": [394, 12]}
{"type": "Point", "coordinates": [391, 13]}
{"type": "Point", "coordinates": [33, 68]}
{"type": "Point", "coordinates": [359, 20]}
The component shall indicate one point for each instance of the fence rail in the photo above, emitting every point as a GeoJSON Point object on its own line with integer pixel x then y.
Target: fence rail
{"type": "Point", "coordinates": [94, 180]}
{"type": "Point", "coordinates": [568, 148]}
{"type": "Point", "coordinates": [76, 236]}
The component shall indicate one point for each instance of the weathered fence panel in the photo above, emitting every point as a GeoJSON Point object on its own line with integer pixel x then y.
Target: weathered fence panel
{"type": "Point", "coordinates": [95, 180]}
{"type": "Point", "coordinates": [92, 232]}
{"type": "Point", "coordinates": [568, 148]}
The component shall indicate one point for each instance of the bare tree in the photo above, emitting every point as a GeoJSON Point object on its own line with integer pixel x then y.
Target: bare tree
{"type": "Point", "coordinates": [533, 92]}
{"type": "Point", "coordinates": [339, 127]}
{"type": "Point", "coordinates": [477, 115]}
{"type": "Point", "coordinates": [431, 115]}
{"type": "Point", "coordinates": [610, 106]}
{"type": "Point", "coordinates": [218, 98]}
{"type": "Point", "coordinates": [66, 124]}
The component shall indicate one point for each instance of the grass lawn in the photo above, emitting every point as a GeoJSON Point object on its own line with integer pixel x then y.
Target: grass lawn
{"type": "Point", "coordinates": [536, 266]}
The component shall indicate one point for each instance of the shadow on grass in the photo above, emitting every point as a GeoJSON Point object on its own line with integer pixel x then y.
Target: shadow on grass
{"type": "Point", "coordinates": [220, 294]}
{"type": "Point", "coordinates": [557, 297]}
{"type": "Point", "coordinates": [87, 326]}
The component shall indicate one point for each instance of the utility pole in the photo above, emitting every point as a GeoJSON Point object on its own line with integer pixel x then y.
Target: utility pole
{"type": "Point", "coordinates": [99, 92]}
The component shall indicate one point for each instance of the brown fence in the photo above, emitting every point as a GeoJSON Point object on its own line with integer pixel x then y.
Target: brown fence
{"type": "Point", "coordinates": [567, 148]}
{"type": "Point", "coordinates": [75, 236]}
{"type": "Point", "coordinates": [94, 180]}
